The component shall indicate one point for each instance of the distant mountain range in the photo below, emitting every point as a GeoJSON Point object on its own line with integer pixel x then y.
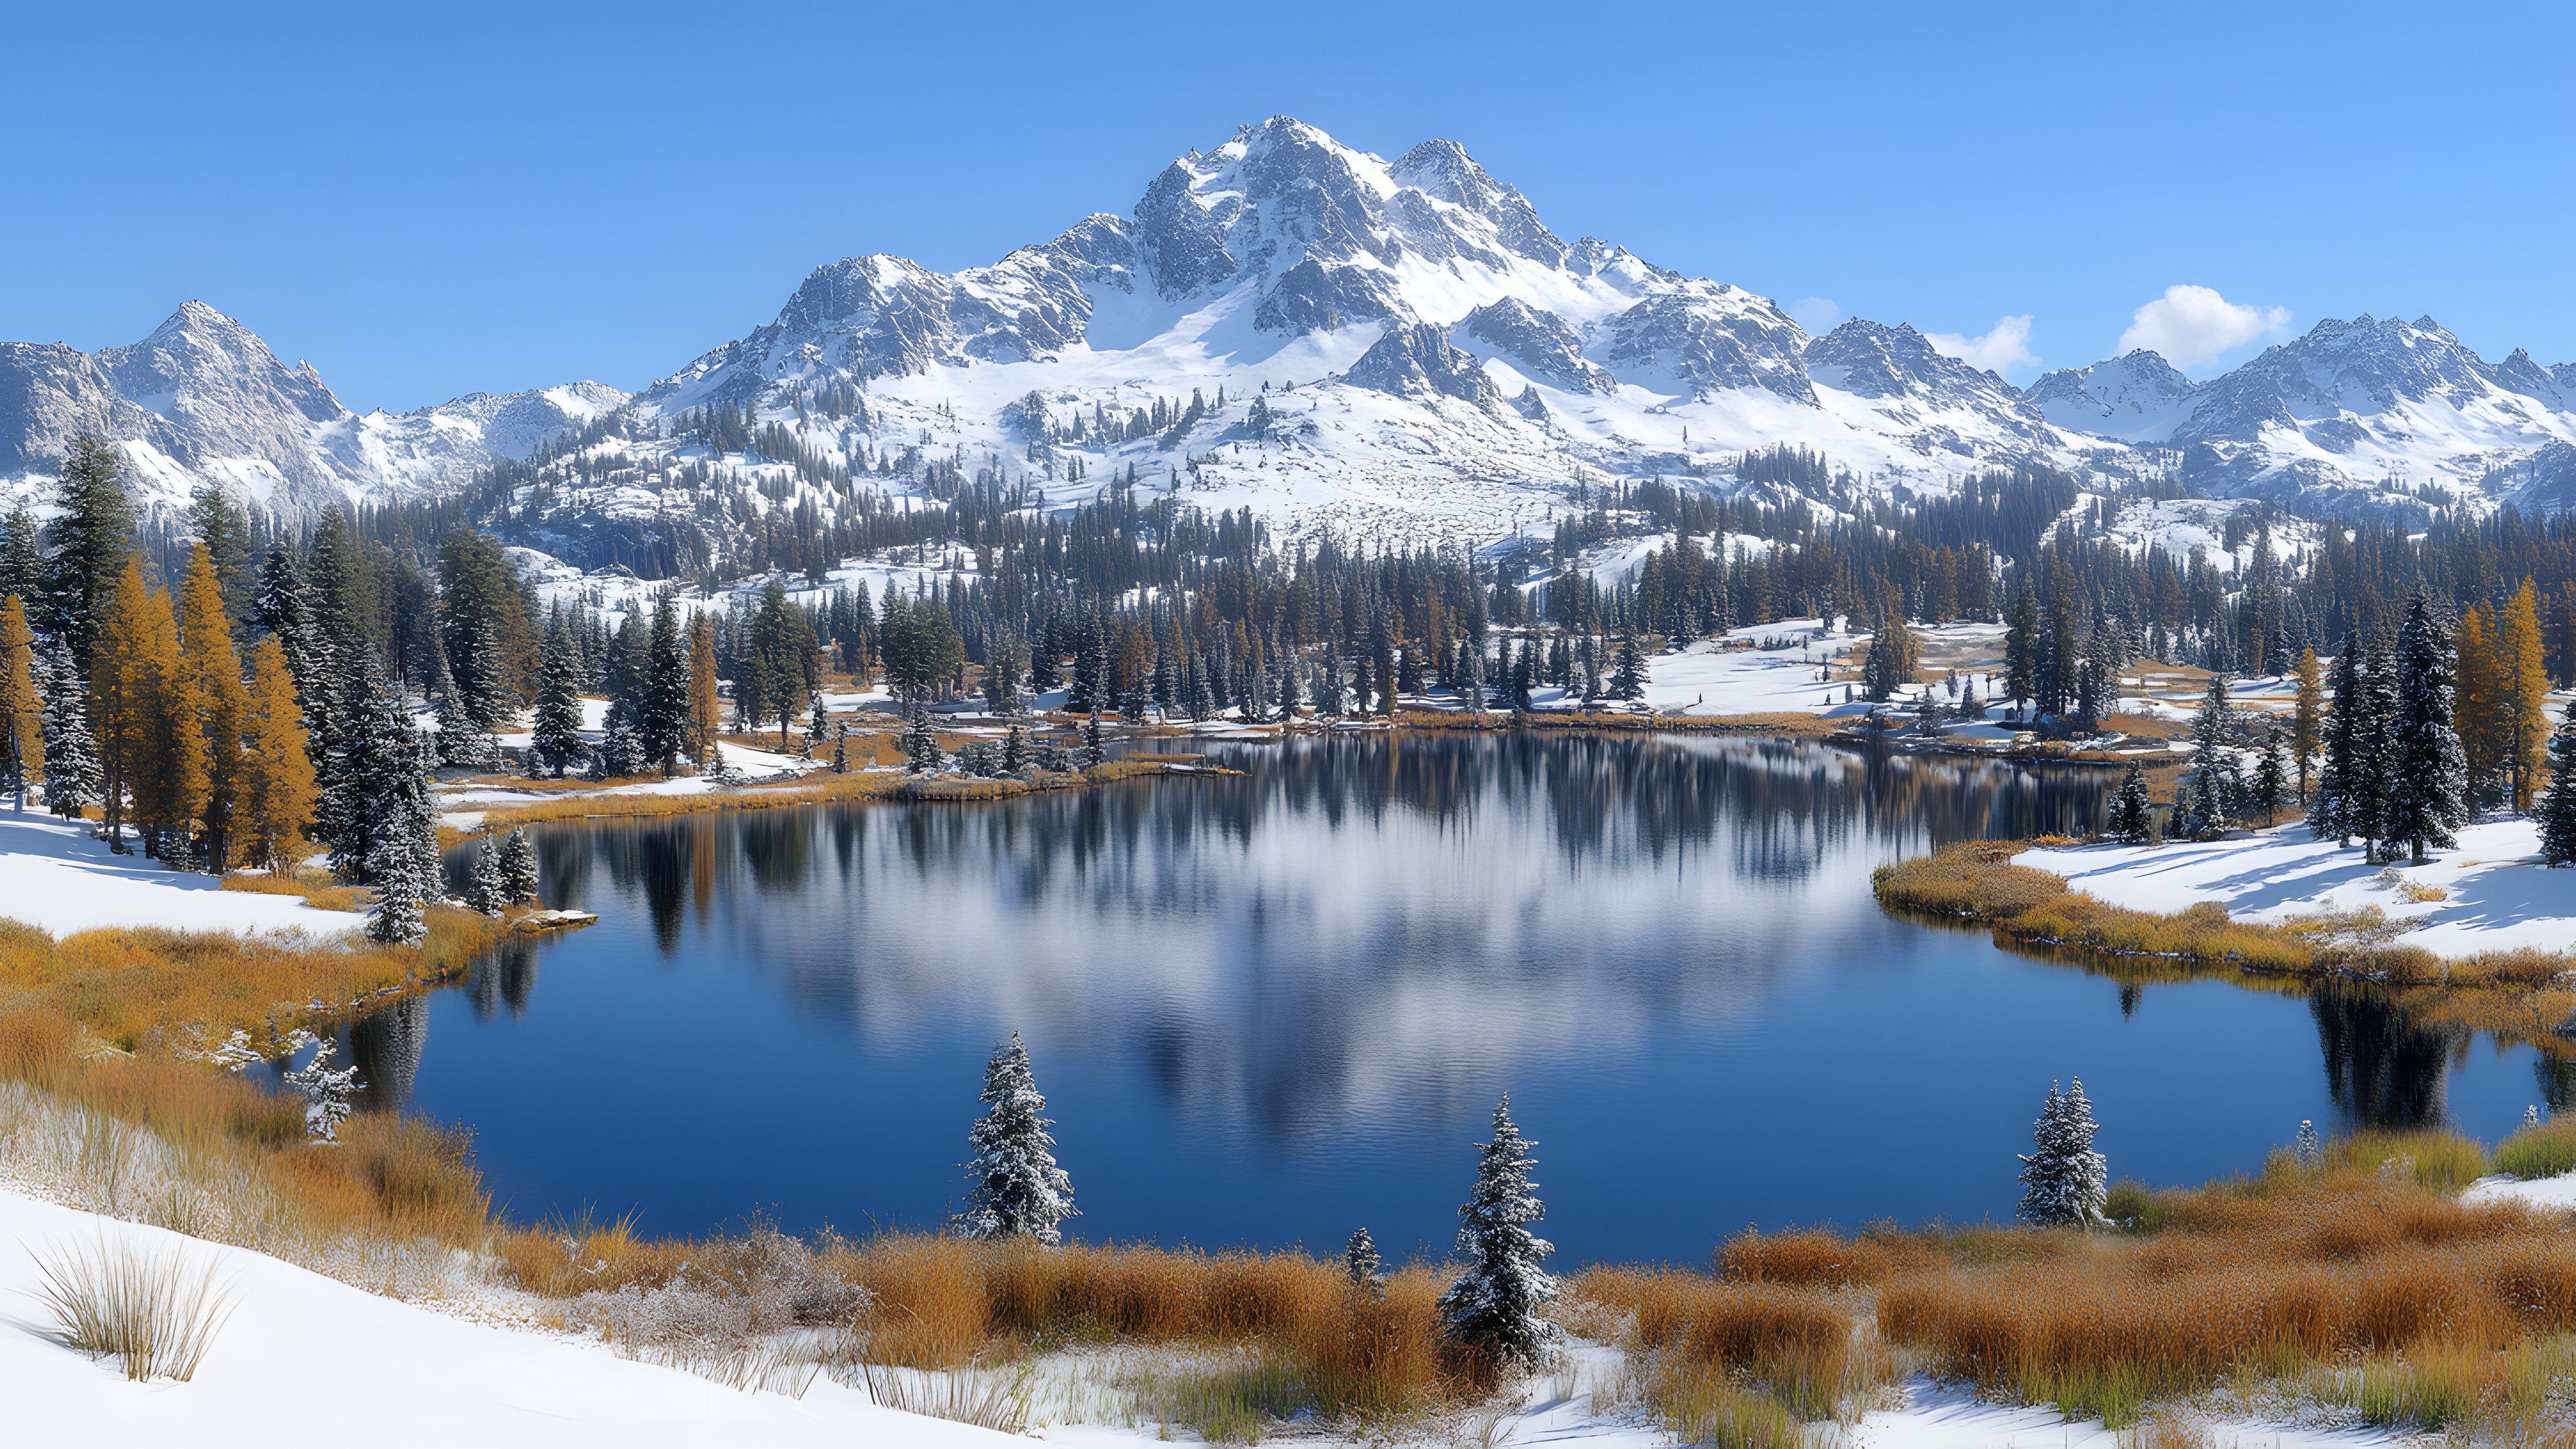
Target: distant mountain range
{"type": "Point", "coordinates": [1430, 359]}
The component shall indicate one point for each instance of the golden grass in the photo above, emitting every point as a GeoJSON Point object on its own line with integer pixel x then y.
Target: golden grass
{"type": "Point", "coordinates": [123, 984]}
{"type": "Point", "coordinates": [393, 1173]}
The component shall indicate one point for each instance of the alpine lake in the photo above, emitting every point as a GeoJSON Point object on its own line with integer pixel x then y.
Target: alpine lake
{"type": "Point", "coordinates": [1271, 1007]}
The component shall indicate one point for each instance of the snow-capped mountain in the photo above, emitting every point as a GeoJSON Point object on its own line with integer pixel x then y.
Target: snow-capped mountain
{"type": "Point", "coordinates": [1399, 349]}
{"type": "Point", "coordinates": [2350, 413]}
{"type": "Point", "coordinates": [203, 399]}
{"type": "Point", "coordinates": [1426, 351]}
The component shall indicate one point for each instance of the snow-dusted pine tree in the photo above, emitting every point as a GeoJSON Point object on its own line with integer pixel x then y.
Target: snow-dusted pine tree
{"type": "Point", "coordinates": [2309, 1151]}
{"type": "Point", "coordinates": [326, 1094]}
{"type": "Point", "coordinates": [1628, 680]}
{"type": "Point", "coordinates": [2556, 809]}
{"type": "Point", "coordinates": [1360, 1261]}
{"type": "Point", "coordinates": [2429, 784]}
{"type": "Point", "coordinates": [556, 740]}
{"type": "Point", "coordinates": [1494, 1307]}
{"type": "Point", "coordinates": [73, 777]}
{"type": "Point", "coordinates": [518, 868]}
{"type": "Point", "coordinates": [2133, 816]}
{"type": "Point", "coordinates": [487, 891]}
{"type": "Point", "coordinates": [1016, 1186]}
{"type": "Point", "coordinates": [2064, 1181]}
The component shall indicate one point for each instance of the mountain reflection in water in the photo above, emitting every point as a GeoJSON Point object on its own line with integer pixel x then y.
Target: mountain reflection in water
{"type": "Point", "coordinates": [1272, 1007]}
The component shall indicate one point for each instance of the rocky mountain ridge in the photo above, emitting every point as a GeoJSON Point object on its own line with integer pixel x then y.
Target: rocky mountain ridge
{"type": "Point", "coordinates": [1427, 356]}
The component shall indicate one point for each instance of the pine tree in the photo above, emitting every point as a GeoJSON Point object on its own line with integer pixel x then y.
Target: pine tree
{"type": "Point", "coordinates": [326, 1092]}
{"type": "Point", "coordinates": [2557, 805]}
{"type": "Point", "coordinates": [485, 890]}
{"type": "Point", "coordinates": [1016, 1188]}
{"type": "Point", "coordinates": [402, 846]}
{"type": "Point", "coordinates": [2271, 778]}
{"type": "Point", "coordinates": [920, 742]}
{"type": "Point", "coordinates": [223, 531]}
{"type": "Point", "coordinates": [22, 706]}
{"type": "Point", "coordinates": [1360, 1263]}
{"type": "Point", "coordinates": [2132, 813]}
{"type": "Point", "coordinates": [841, 749]}
{"type": "Point", "coordinates": [1628, 680]}
{"type": "Point", "coordinates": [74, 779]}
{"type": "Point", "coordinates": [1494, 1308]}
{"type": "Point", "coordinates": [661, 714]}
{"type": "Point", "coordinates": [1094, 752]}
{"type": "Point", "coordinates": [2064, 1181]}
{"type": "Point", "coordinates": [556, 737]}
{"type": "Point", "coordinates": [91, 535]}
{"type": "Point", "coordinates": [518, 869]}
{"type": "Point", "coordinates": [1015, 751]}
{"type": "Point", "coordinates": [22, 561]}
{"type": "Point", "coordinates": [280, 611]}
{"type": "Point", "coordinates": [2341, 803]}
{"type": "Point", "coordinates": [277, 780]}
{"type": "Point", "coordinates": [2429, 785]}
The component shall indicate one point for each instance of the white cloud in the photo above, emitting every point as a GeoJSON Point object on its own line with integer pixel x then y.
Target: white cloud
{"type": "Point", "coordinates": [2007, 345]}
{"type": "Point", "coordinates": [2191, 326]}
{"type": "Point", "coordinates": [1817, 314]}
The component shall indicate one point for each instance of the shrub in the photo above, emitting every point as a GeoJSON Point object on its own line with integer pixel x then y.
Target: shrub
{"type": "Point", "coordinates": [144, 1308]}
{"type": "Point", "coordinates": [2546, 1149]}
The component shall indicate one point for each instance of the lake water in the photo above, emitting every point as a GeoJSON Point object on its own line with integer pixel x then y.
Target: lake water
{"type": "Point", "coordinates": [1271, 1008]}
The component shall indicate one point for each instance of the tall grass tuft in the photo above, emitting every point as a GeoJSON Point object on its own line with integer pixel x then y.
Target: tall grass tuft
{"type": "Point", "coordinates": [143, 1308]}
{"type": "Point", "coordinates": [2545, 1149]}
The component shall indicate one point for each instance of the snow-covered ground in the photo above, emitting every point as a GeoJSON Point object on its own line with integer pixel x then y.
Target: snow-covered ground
{"type": "Point", "coordinates": [2493, 892]}
{"type": "Point", "coordinates": [58, 877]}
{"type": "Point", "coordinates": [296, 1342]}
{"type": "Point", "coordinates": [301, 1348]}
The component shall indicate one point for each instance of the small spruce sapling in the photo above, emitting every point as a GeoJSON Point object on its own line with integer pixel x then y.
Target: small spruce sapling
{"type": "Point", "coordinates": [1360, 1262]}
{"type": "Point", "coordinates": [326, 1094]}
{"type": "Point", "coordinates": [1016, 1187]}
{"type": "Point", "coordinates": [1494, 1307]}
{"type": "Point", "coordinates": [2065, 1182]}
{"type": "Point", "coordinates": [2310, 1152]}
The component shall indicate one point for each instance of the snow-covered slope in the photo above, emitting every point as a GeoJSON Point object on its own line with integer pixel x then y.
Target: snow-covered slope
{"type": "Point", "coordinates": [203, 399]}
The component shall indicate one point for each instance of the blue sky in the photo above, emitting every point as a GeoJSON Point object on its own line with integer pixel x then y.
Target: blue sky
{"type": "Point", "coordinates": [464, 199]}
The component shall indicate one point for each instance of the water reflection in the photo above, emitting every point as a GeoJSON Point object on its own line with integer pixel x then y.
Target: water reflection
{"type": "Point", "coordinates": [1265, 999]}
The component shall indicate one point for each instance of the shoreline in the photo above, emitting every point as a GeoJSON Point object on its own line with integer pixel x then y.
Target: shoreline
{"type": "Point", "coordinates": [2510, 979]}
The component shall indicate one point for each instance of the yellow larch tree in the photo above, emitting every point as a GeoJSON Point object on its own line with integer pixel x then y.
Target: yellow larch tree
{"type": "Point", "coordinates": [22, 713]}
{"type": "Point", "coordinates": [706, 709]}
{"type": "Point", "coordinates": [213, 671]}
{"type": "Point", "coordinates": [2524, 692]}
{"type": "Point", "coordinates": [121, 687]}
{"type": "Point", "coordinates": [2477, 712]}
{"type": "Point", "coordinates": [276, 796]}
{"type": "Point", "coordinates": [177, 749]}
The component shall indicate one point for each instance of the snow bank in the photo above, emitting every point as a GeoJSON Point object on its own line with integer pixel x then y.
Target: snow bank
{"type": "Point", "coordinates": [55, 876]}
{"type": "Point", "coordinates": [2494, 892]}
{"type": "Point", "coordinates": [2545, 1194]}
{"type": "Point", "coordinates": [302, 1345]}
{"type": "Point", "coordinates": [329, 1353]}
